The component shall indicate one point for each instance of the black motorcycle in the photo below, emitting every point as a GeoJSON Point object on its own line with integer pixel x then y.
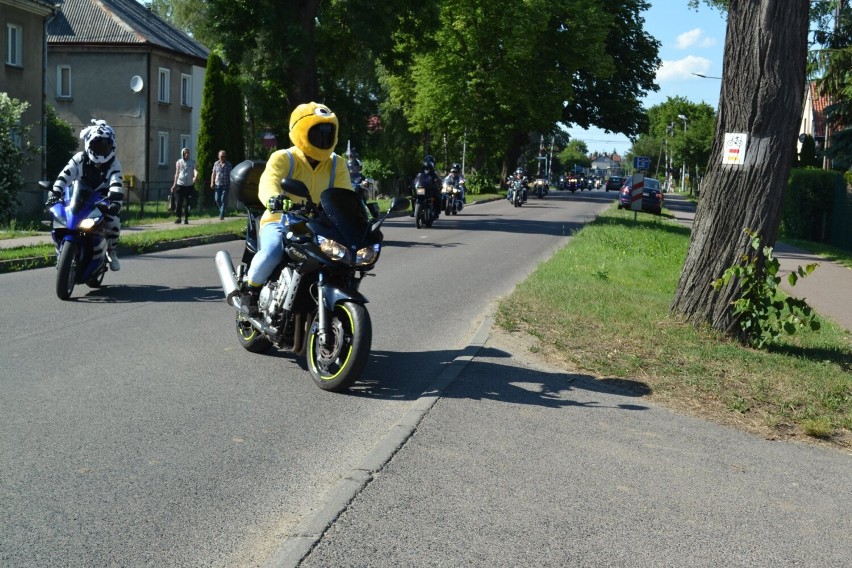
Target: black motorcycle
{"type": "Point", "coordinates": [311, 304]}
{"type": "Point", "coordinates": [451, 196]}
{"type": "Point", "coordinates": [425, 207]}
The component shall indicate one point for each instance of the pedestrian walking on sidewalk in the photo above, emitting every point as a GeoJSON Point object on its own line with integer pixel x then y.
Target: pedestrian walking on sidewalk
{"type": "Point", "coordinates": [220, 182]}
{"type": "Point", "coordinates": [185, 174]}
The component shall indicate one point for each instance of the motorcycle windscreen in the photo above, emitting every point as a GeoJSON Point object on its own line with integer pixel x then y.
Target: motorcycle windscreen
{"type": "Point", "coordinates": [347, 213]}
{"type": "Point", "coordinates": [81, 197]}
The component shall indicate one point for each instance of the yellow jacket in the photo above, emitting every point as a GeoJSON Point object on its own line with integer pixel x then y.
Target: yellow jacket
{"type": "Point", "coordinates": [293, 163]}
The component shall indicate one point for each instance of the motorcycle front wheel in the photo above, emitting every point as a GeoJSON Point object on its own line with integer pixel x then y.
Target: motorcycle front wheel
{"type": "Point", "coordinates": [336, 366]}
{"type": "Point", "coordinates": [417, 216]}
{"type": "Point", "coordinates": [66, 270]}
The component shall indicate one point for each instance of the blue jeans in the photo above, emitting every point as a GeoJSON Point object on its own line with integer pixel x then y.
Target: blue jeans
{"type": "Point", "coordinates": [220, 194]}
{"type": "Point", "coordinates": [270, 250]}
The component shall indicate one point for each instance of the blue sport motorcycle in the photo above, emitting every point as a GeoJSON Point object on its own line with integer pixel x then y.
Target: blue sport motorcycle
{"type": "Point", "coordinates": [81, 247]}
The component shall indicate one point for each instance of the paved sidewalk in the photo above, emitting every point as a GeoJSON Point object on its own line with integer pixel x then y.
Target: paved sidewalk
{"type": "Point", "coordinates": [164, 225]}
{"type": "Point", "coordinates": [828, 289]}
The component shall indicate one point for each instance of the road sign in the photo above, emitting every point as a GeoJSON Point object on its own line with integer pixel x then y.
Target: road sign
{"type": "Point", "coordinates": [641, 163]}
{"type": "Point", "coordinates": [637, 188]}
{"type": "Point", "coordinates": [734, 149]}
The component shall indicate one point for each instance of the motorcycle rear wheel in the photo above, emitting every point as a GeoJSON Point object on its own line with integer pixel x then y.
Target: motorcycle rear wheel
{"type": "Point", "coordinates": [66, 270]}
{"type": "Point", "coordinates": [336, 367]}
{"type": "Point", "coordinates": [250, 338]}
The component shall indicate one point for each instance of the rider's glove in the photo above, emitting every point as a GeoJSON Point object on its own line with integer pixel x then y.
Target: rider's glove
{"type": "Point", "coordinates": [114, 202]}
{"type": "Point", "coordinates": [54, 198]}
{"type": "Point", "coordinates": [279, 203]}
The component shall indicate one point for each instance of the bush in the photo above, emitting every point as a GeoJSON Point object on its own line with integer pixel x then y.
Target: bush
{"type": "Point", "coordinates": [479, 182]}
{"type": "Point", "coordinates": [808, 203]}
{"type": "Point", "coordinates": [14, 153]}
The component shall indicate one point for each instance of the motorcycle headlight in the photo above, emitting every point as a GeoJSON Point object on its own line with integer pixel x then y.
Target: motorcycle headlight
{"type": "Point", "coordinates": [421, 191]}
{"type": "Point", "coordinates": [89, 222]}
{"type": "Point", "coordinates": [368, 255]}
{"type": "Point", "coordinates": [332, 249]}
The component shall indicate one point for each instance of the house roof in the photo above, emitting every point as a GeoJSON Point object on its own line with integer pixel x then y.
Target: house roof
{"type": "Point", "coordinates": [118, 22]}
{"type": "Point", "coordinates": [40, 7]}
{"type": "Point", "coordinates": [819, 104]}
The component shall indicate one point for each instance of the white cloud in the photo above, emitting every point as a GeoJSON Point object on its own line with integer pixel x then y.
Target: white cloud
{"type": "Point", "coordinates": [683, 68]}
{"type": "Point", "coordinates": [694, 38]}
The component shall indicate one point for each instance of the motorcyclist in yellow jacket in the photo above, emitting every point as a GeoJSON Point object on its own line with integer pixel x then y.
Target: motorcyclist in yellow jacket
{"type": "Point", "coordinates": [311, 159]}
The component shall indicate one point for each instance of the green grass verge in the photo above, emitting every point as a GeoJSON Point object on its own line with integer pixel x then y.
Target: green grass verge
{"type": "Point", "coordinates": [601, 306]}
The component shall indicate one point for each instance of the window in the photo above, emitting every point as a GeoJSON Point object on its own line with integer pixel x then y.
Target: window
{"type": "Point", "coordinates": [14, 45]}
{"type": "Point", "coordinates": [63, 81]}
{"type": "Point", "coordinates": [184, 141]}
{"type": "Point", "coordinates": [162, 148]}
{"type": "Point", "coordinates": [163, 88]}
{"type": "Point", "coordinates": [185, 90]}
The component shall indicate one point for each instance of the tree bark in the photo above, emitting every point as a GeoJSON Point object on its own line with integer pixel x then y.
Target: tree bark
{"type": "Point", "coordinates": [762, 88]}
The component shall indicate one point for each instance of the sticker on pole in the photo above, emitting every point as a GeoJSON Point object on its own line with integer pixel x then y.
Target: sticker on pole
{"type": "Point", "coordinates": [733, 152]}
{"type": "Point", "coordinates": [637, 188]}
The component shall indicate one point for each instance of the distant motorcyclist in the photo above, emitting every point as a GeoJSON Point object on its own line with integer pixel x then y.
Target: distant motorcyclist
{"type": "Point", "coordinates": [519, 175]}
{"type": "Point", "coordinates": [97, 164]}
{"type": "Point", "coordinates": [455, 179]}
{"type": "Point", "coordinates": [428, 179]}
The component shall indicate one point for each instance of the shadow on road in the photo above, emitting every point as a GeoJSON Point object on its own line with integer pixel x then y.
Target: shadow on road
{"type": "Point", "coordinates": [128, 294]}
{"type": "Point", "coordinates": [386, 378]}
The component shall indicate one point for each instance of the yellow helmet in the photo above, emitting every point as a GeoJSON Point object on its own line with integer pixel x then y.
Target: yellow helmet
{"type": "Point", "coordinates": [313, 129]}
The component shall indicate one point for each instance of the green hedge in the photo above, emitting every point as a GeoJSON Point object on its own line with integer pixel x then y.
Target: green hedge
{"type": "Point", "coordinates": [809, 204]}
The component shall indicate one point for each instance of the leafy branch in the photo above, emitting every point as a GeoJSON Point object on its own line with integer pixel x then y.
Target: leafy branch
{"type": "Point", "coordinates": [763, 312]}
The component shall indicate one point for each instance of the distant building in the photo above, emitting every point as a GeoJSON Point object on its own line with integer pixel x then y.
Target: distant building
{"type": "Point", "coordinates": [814, 123]}
{"type": "Point", "coordinates": [608, 164]}
{"type": "Point", "coordinates": [118, 61]}
{"type": "Point", "coordinates": [22, 27]}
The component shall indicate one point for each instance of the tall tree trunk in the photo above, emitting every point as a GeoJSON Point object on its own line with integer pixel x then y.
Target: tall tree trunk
{"type": "Point", "coordinates": [762, 89]}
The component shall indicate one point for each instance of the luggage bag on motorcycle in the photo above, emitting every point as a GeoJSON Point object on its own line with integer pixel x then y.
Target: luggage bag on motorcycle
{"type": "Point", "coordinates": [245, 179]}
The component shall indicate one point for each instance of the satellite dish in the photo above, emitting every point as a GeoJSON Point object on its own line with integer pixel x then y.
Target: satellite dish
{"type": "Point", "coordinates": [136, 83]}
{"type": "Point", "coordinates": [802, 137]}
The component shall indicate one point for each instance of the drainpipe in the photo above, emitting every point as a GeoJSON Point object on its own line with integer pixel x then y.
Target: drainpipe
{"type": "Point", "coordinates": [44, 96]}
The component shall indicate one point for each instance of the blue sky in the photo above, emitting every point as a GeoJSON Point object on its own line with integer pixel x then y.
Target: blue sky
{"type": "Point", "coordinates": [690, 42]}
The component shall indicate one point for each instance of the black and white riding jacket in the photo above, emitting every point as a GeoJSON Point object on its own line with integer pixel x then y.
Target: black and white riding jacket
{"type": "Point", "coordinates": [81, 167]}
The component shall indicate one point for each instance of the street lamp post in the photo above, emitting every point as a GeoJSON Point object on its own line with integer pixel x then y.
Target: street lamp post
{"type": "Point", "coordinates": [683, 171]}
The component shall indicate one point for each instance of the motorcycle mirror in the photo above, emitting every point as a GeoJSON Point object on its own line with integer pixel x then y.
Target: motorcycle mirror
{"type": "Point", "coordinates": [45, 184]}
{"type": "Point", "coordinates": [296, 188]}
{"type": "Point", "coordinates": [400, 204]}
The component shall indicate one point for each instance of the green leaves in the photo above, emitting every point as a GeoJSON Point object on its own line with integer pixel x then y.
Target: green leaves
{"type": "Point", "coordinates": [763, 311]}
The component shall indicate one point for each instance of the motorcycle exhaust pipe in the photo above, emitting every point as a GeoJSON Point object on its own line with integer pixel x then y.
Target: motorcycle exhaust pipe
{"type": "Point", "coordinates": [225, 268]}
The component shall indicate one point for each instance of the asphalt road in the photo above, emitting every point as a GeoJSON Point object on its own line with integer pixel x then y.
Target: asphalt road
{"type": "Point", "coordinates": [134, 430]}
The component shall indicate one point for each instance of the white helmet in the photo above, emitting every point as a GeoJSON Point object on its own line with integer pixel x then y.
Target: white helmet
{"type": "Point", "coordinates": [99, 141]}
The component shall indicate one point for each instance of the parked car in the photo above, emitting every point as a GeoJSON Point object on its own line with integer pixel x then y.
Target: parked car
{"type": "Point", "coordinates": [652, 196]}
{"type": "Point", "coordinates": [614, 183]}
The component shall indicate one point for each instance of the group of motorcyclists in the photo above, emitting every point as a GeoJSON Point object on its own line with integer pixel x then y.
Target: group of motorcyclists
{"type": "Point", "coordinates": [429, 190]}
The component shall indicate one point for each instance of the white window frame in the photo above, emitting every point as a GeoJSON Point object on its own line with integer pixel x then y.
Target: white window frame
{"type": "Point", "coordinates": [185, 90]}
{"type": "Point", "coordinates": [60, 84]}
{"type": "Point", "coordinates": [14, 45]}
{"type": "Point", "coordinates": [184, 142]}
{"type": "Point", "coordinates": [163, 84]}
{"type": "Point", "coordinates": [162, 148]}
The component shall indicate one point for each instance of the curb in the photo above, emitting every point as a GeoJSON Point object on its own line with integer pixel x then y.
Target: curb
{"type": "Point", "coordinates": [20, 264]}
{"type": "Point", "coordinates": [307, 534]}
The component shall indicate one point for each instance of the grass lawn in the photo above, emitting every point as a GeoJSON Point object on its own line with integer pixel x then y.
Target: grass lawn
{"type": "Point", "coordinates": [601, 306]}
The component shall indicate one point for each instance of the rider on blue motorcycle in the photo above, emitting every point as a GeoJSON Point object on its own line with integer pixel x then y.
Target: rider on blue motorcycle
{"type": "Point", "coordinates": [311, 159]}
{"type": "Point", "coordinates": [96, 165]}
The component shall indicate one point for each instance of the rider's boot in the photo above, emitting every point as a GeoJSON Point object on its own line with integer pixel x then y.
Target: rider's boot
{"type": "Point", "coordinates": [249, 297]}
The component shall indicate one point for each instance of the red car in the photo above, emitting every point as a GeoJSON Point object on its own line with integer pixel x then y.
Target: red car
{"type": "Point", "coordinates": [652, 196]}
